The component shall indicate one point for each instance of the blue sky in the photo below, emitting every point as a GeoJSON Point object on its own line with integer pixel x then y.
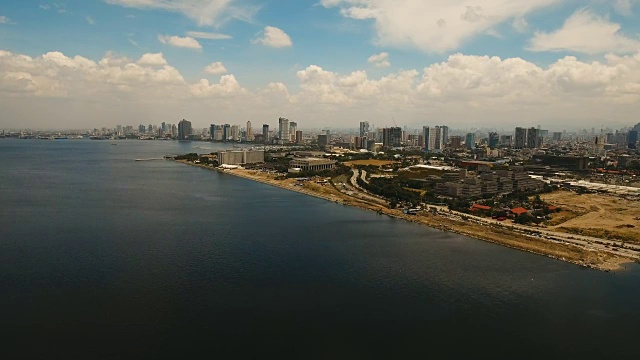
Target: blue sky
{"type": "Point", "coordinates": [331, 61]}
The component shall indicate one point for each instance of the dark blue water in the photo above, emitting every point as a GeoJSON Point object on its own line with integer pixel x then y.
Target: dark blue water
{"type": "Point", "coordinates": [105, 257]}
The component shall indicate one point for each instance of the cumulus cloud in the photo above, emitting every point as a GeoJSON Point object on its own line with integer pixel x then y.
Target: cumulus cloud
{"type": "Point", "coordinates": [150, 59]}
{"type": "Point", "coordinates": [4, 20]}
{"type": "Point", "coordinates": [379, 60]}
{"type": "Point", "coordinates": [177, 41]}
{"type": "Point", "coordinates": [203, 12]}
{"type": "Point", "coordinates": [215, 68]}
{"type": "Point", "coordinates": [273, 37]}
{"type": "Point", "coordinates": [463, 90]}
{"type": "Point", "coordinates": [436, 25]}
{"type": "Point", "coordinates": [587, 33]}
{"type": "Point", "coordinates": [208, 35]}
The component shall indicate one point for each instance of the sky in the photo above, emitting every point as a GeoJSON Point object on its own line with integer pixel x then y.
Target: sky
{"type": "Point", "coordinates": [560, 64]}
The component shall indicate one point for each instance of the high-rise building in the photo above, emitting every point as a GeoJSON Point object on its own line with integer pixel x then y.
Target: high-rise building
{"type": "Point", "coordinates": [298, 136]}
{"type": "Point", "coordinates": [470, 141]}
{"type": "Point", "coordinates": [249, 136]}
{"type": "Point", "coordinates": [520, 138]}
{"type": "Point", "coordinates": [494, 140]}
{"type": "Point", "coordinates": [430, 135]}
{"type": "Point", "coordinates": [534, 140]}
{"type": "Point", "coordinates": [632, 139]}
{"type": "Point", "coordinates": [364, 128]}
{"type": "Point", "coordinates": [265, 132]}
{"type": "Point", "coordinates": [391, 137]}
{"type": "Point", "coordinates": [234, 133]}
{"type": "Point", "coordinates": [293, 127]}
{"type": "Point", "coordinates": [557, 136]}
{"type": "Point", "coordinates": [283, 129]}
{"type": "Point", "coordinates": [323, 140]}
{"type": "Point", "coordinates": [445, 135]}
{"type": "Point", "coordinates": [141, 129]}
{"type": "Point", "coordinates": [212, 131]}
{"type": "Point", "coordinates": [456, 142]}
{"type": "Point", "coordinates": [184, 129]}
{"type": "Point", "coordinates": [226, 132]}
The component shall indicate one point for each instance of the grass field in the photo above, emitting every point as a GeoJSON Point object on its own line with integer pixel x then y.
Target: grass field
{"type": "Point", "coordinates": [370, 162]}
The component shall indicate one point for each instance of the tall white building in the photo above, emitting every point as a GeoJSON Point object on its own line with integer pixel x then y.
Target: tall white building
{"type": "Point", "coordinates": [283, 129]}
{"type": "Point", "coordinates": [364, 128]}
{"type": "Point", "coordinates": [249, 132]}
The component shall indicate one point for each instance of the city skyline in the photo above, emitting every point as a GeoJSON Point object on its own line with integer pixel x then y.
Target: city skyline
{"type": "Point", "coordinates": [561, 64]}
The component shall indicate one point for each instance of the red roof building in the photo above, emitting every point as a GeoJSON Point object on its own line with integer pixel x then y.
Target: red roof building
{"type": "Point", "coordinates": [480, 207]}
{"type": "Point", "coordinates": [519, 211]}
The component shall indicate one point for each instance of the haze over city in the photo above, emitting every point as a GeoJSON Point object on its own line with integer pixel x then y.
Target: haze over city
{"type": "Point", "coordinates": [329, 63]}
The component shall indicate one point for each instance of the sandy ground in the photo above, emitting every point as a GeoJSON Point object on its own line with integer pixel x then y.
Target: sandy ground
{"type": "Point", "coordinates": [603, 216]}
{"type": "Point", "coordinates": [502, 236]}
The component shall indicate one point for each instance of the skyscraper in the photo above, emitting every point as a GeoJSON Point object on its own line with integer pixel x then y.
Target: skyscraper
{"type": "Point", "coordinates": [364, 128]}
{"type": "Point", "coordinates": [298, 136]}
{"type": "Point", "coordinates": [391, 137]}
{"type": "Point", "coordinates": [632, 139]}
{"type": "Point", "coordinates": [184, 129]}
{"type": "Point", "coordinates": [265, 132]}
{"type": "Point", "coordinates": [212, 131]}
{"type": "Point", "coordinates": [494, 140]}
{"type": "Point", "coordinates": [431, 138]}
{"type": "Point", "coordinates": [283, 129]}
{"type": "Point", "coordinates": [249, 132]}
{"type": "Point", "coordinates": [293, 127]}
{"type": "Point", "coordinates": [520, 138]}
{"type": "Point", "coordinates": [226, 132]}
{"type": "Point", "coordinates": [533, 138]}
{"type": "Point", "coordinates": [470, 141]}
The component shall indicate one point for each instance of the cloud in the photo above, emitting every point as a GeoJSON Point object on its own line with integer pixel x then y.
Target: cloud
{"type": "Point", "coordinates": [203, 12]}
{"type": "Point", "coordinates": [208, 35]}
{"type": "Point", "coordinates": [44, 6]}
{"type": "Point", "coordinates": [380, 60]}
{"type": "Point", "coordinates": [585, 32]}
{"type": "Point", "coordinates": [436, 25]}
{"type": "Point", "coordinates": [150, 59]}
{"type": "Point", "coordinates": [5, 20]}
{"type": "Point", "coordinates": [177, 41]}
{"type": "Point", "coordinates": [273, 37]}
{"type": "Point", "coordinates": [500, 92]}
{"type": "Point", "coordinates": [624, 7]}
{"type": "Point", "coordinates": [520, 25]}
{"type": "Point", "coordinates": [215, 68]}
{"type": "Point", "coordinates": [90, 20]}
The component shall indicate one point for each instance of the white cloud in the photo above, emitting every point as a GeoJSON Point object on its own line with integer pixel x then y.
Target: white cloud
{"type": "Point", "coordinates": [380, 60]}
{"type": "Point", "coordinates": [44, 6]}
{"type": "Point", "coordinates": [90, 20]}
{"type": "Point", "coordinates": [203, 12]}
{"type": "Point", "coordinates": [177, 41]}
{"type": "Point", "coordinates": [520, 24]}
{"type": "Point", "coordinates": [587, 33]}
{"type": "Point", "coordinates": [273, 37]}
{"type": "Point", "coordinates": [435, 25]}
{"type": "Point", "coordinates": [208, 35]}
{"type": "Point", "coordinates": [462, 91]}
{"type": "Point", "coordinates": [5, 20]}
{"type": "Point", "coordinates": [215, 68]}
{"type": "Point", "coordinates": [624, 7]}
{"type": "Point", "coordinates": [150, 59]}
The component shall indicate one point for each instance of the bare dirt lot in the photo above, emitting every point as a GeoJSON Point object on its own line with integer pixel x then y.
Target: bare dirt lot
{"type": "Point", "coordinates": [603, 216]}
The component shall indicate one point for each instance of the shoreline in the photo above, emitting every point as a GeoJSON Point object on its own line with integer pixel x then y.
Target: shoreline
{"type": "Point", "coordinates": [571, 253]}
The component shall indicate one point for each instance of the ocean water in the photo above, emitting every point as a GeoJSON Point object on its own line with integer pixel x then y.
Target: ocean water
{"type": "Point", "coordinates": [105, 257]}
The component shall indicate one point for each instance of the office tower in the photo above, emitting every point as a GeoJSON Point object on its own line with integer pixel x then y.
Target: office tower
{"type": "Point", "coordinates": [445, 135]}
{"type": "Point", "coordinates": [391, 137]}
{"type": "Point", "coordinates": [249, 136]}
{"type": "Point", "coordinates": [632, 139]}
{"type": "Point", "coordinates": [283, 129]}
{"type": "Point", "coordinates": [141, 129]}
{"type": "Point", "coordinates": [493, 140]}
{"type": "Point", "coordinates": [234, 133]}
{"type": "Point", "coordinates": [212, 131]}
{"type": "Point", "coordinates": [164, 127]}
{"type": "Point", "coordinates": [298, 136]}
{"type": "Point", "coordinates": [520, 138]}
{"type": "Point", "coordinates": [364, 128]}
{"type": "Point", "coordinates": [430, 137]}
{"type": "Point", "coordinates": [323, 140]}
{"type": "Point", "coordinates": [184, 129]}
{"type": "Point", "coordinates": [557, 136]}
{"type": "Point", "coordinates": [265, 133]}
{"type": "Point", "coordinates": [174, 130]}
{"type": "Point", "coordinates": [293, 127]}
{"type": "Point", "coordinates": [470, 141]}
{"type": "Point", "coordinates": [226, 132]}
{"type": "Point", "coordinates": [533, 138]}
{"type": "Point", "coordinates": [456, 142]}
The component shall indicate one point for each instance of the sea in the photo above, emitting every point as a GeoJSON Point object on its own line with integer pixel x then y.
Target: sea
{"type": "Point", "coordinates": [105, 257]}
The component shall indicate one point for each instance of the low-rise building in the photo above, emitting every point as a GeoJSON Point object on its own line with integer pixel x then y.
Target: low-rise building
{"type": "Point", "coordinates": [240, 157]}
{"type": "Point", "coordinates": [312, 164]}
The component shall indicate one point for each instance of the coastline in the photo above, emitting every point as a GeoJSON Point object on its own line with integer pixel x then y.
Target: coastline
{"type": "Point", "coordinates": [570, 253]}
